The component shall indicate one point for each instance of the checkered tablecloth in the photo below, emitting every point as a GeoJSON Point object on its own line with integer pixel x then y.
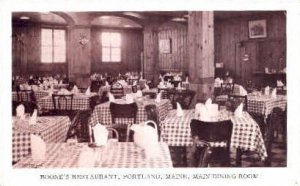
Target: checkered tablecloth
{"type": "Point", "coordinates": [101, 113]}
{"type": "Point", "coordinates": [264, 104]}
{"type": "Point", "coordinates": [80, 102]}
{"type": "Point", "coordinates": [246, 133]}
{"type": "Point", "coordinates": [236, 91]}
{"type": "Point", "coordinates": [118, 155]}
{"type": "Point", "coordinates": [50, 129]}
{"type": "Point", "coordinates": [38, 94]}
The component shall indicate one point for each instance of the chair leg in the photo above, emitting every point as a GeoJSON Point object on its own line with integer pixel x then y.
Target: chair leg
{"type": "Point", "coordinates": [238, 159]}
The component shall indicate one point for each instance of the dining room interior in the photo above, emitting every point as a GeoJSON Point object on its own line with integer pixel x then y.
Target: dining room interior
{"type": "Point", "coordinates": [149, 89]}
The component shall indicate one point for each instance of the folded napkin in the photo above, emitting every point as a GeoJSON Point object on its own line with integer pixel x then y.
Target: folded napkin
{"type": "Point", "coordinates": [161, 84]}
{"type": "Point", "coordinates": [34, 87]}
{"type": "Point", "coordinates": [146, 137]}
{"type": "Point", "coordinates": [239, 111]}
{"type": "Point", "coordinates": [129, 98]}
{"type": "Point", "coordinates": [100, 134]}
{"type": "Point", "coordinates": [106, 83]}
{"type": "Point", "coordinates": [146, 86]}
{"type": "Point", "coordinates": [20, 111]}
{"type": "Point", "coordinates": [52, 86]}
{"type": "Point", "coordinates": [22, 87]}
{"type": "Point", "coordinates": [279, 83]}
{"type": "Point", "coordinates": [33, 118]}
{"type": "Point", "coordinates": [274, 93]}
{"type": "Point", "coordinates": [158, 98]}
{"type": "Point", "coordinates": [75, 90]}
{"type": "Point", "coordinates": [134, 83]}
{"type": "Point", "coordinates": [61, 82]}
{"type": "Point", "coordinates": [161, 78]}
{"type": "Point", "coordinates": [111, 97]}
{"type": "Point", "coordinates": [266, 70]}
{"type": "Point", "coordinates": [208, 103]}
{"type": "Point", "coordinates": [63, 91]}
{"type": "Point", "coordinates": [187, 79]}
{"type": "Point", "coordinates": [55, 82]}
{"type": "Point", "coordinates": [202, 112]}
{"type": "Point", "coordinates": [88, 91]}
{"type": "Point", "coordinates": [243, 91]}
{"type": "Point", "coordinates": [179, 86]}
{"type": "Point", "coordinates": [267, 90]}
{"type": "Point", "coordinates": [139, 94]}
{"type": "Point", "coordinates": [38, 148]}
{"type": "Point", "coordinates": [179, 110]}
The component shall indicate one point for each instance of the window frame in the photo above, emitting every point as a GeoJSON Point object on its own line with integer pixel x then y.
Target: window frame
{"type": "Point", "coordinates": [53, 46]}
{"type": "Point", "coordinates": [110, 61]}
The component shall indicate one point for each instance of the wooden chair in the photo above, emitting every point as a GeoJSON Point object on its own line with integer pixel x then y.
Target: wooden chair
{"type": "Point", "coordinates": [201, 152]}
{"type": "Point", "coordinates": [164, 92]}
{"type": "Point", "coordinates": [235, 100]}
{"type": "Point", "coordinates": [153, 115]}
{"type": "Point", "coordinates": [27, 98]}
{"type": "Point", "coordinates": [183, 97]}
{"type": "Point", "coordinates": [117, 90]}
{"type": "Point", "coordinates": [227, 88]}
{"type": "Point", "coordinates": [219, 131]}
{"type": "Point", "coordinates": [95, 86]}
{"type": "Point", "coordinates": [73, 128]}
{"type": "Point", "coordinates": [123, 111]}
{"type": "Point", "coordinates": [63, 104]}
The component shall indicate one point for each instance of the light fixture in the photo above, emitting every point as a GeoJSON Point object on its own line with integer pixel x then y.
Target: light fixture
{"type": "Point", "coordinates": [24, 17]}
{"type": "Point", "coordinates": [127, 26]}
{"type": "Point", "coordinates": [83, 40]}
{"type": "Point", "coordinates": [179, 19]}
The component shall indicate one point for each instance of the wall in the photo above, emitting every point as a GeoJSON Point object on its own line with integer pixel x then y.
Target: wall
{"type": "Point", "coordinates": [132, 46]}
{"type": "Point", "coordinates": [177, 59]}
{"type": "Point", "coordinates": [232, 43]}
{"type": "Point", "coordinates": [26, 52]}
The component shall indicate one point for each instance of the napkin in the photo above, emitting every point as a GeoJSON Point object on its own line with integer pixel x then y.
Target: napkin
{"type": "Point", "coordinates": [100, 135]}
{"type": "Point", "coordinates": [146, 86]}
{"type": "Point", "coordinates": [266, 70]}
{"type": "Point", "coordinates": [187, 79]}
{"type": "Point", "coordinates": [106, 83]}
{"type": "Point", "coordinates": [33, 118]}
{"type": "Point", "coordinates": [129, 98]}
{"type": "Point", "coordinates": [55, 82]}
{"type": "Point", "coordinates": [161, 78]}
{"type": "Point", "coordinates": [201, 110]}
{"type": "Point", "coordinates": [139, 94]}
{"type": "Point", "coordinates": [134, 83]}
{"type": "Point", "coordinates": [243, 91]}
{"type": "Point", "coordinates": [274, 93]}
{"type": "Point", "coordinates": [111, 97]}
{"type": "Point", "coordinates": [179, 111]}
{"type": "Point", "coordinates": [239, 111]}
{"type": "Point", "coordinates": [20, 111]}
{"type": "Point", "coordinates": [208, 103]}
{"type": "Point", "coordinates": [22, 87]}
{"type": "Point", "coordinates": [38, 148]}
{"type": "Point", "coordinates": [52, 87]}
{"type": "Point", "coordinates": [88, 91]}
{"type": "Point", "coordinates": [61, 82]}
{"type": "Point", "coordinates": [75, 90]}
{"type": "Point", "coordinates": [267, 90]}
{"type": "Point", "coordinates": [161, 84]}
{"type": "Point", "coordinates": [279, 83]}
{"type": "Point", "coordinates": [179, 86]}
{"type": "Point", "coordinates": [158, 98]}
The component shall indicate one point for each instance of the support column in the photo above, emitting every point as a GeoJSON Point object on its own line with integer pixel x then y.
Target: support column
{"type": "Point", "coordinates": [201, 54]}
{"type": "Point", "coordinates": [79, 55]}
{"type": "Point", "coordinates": [151, 60]}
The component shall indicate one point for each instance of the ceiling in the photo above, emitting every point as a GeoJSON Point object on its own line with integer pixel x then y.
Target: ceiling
{"type": "Point", "coordinates": [120, 19]}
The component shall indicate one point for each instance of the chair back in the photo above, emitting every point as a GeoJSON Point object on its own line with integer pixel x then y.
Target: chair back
{"type": "Point", "coordinates": [219, 131]}
{"type": "Point", "coordinates": [123, 111]}
{"type": "Point", "coordinates": [94, 100]}
{"type": "Point", "coordinates": [25, 96]}
{"type": "Point", "coordinates": [226, 88]}
{"type": "Point", "coordinates": [95, 86]}
{"type": "Point", "coordinates": [164, 92]}
{"type": "Point", "coordinates": [134, 88]}
{"type": "Point", "coordinates": [212, 131]}
{"type": "Point", "coordinates": [152, 114]}
{"type": "Point", "coordinates": [113, 133]}
{"type": "Point", "coordinates": [117, 90]}
{"type": "Point", "coordinates": [183, 97]}
{"type": "Point", "coordinates": [201, 151]}
{"type": "Point", "coordinates": [62, 102]}
{"type": "Point", "coordinates": [236, 100]}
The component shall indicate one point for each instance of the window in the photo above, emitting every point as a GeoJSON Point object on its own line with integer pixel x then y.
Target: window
{"type": "Point", "coordinates": [111, 47]}
{"type": "Point", "coordinates": [53, 44]}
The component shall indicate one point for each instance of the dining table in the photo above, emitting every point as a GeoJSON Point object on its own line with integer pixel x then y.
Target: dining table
{"type": "Point", "coordinates": [102, 114]}
{"type": "Point", "coordinates": [264, 104]}
{"type": "Point", "coordinates": [38, 95]}
{"type": "Point", "coordinates": [246, 134]}
{"type": "Point", "coordinates": [50, 129]}
{"type": "Point", "coordinates": [83, 155]}
{"type": "Point", "coordinates": [81, 101]}
{"type": "Point", "coordinates": [127, 89]}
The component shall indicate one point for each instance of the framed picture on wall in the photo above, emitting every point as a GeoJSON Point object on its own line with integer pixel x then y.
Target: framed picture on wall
{"type": "Point", "coordinates": [165, 46]}
{"type": "Point", "coordinates": [257, 28]}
